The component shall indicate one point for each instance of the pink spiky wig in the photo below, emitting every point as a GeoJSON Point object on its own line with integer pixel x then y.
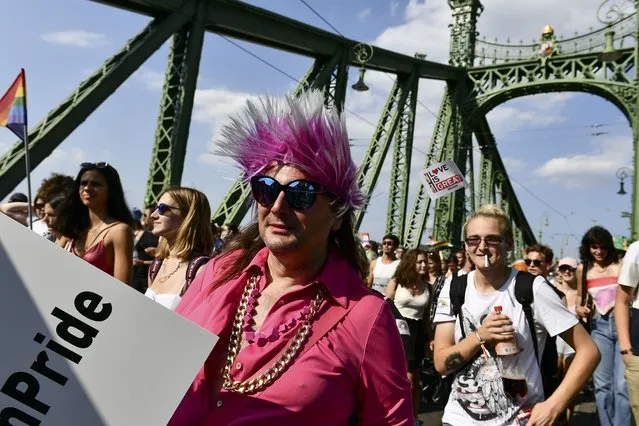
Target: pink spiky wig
{"type": "Point", "coordinates": [297, 131]}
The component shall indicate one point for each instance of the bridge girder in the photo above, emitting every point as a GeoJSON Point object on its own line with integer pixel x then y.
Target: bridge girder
{"type": "Point", "coordinates": [256, 25]}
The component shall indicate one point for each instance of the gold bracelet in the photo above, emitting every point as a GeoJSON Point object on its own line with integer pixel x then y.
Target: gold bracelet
{"type": "Point", "coordinates": [481, 341]}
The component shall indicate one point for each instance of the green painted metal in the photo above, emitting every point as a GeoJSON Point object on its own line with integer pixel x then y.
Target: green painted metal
{"type": "Point", "coordinates": [384, 133]}
{"type": "Point", "coordinates": [243, 21]}
{"type": "Point", "coordinates": [486, 194]}
{"type": "Point", "coordinates": [401, 163]}
{"type": "Point", "coordinates": [421, 205]}
{"type": "Point", "coordinates": [463, 33]}
{"type": "Point", "coordinates": [471, 194]}
{"type": "Point", "coordinates": [176, 106]}
{"type": "Point", "coordinates": [329, 75]}
{"type": "Point", "coordinates": [450, 210]}
{"type": "Point", "coordinates": [95, 89]}
{"type": "Point", "coordinates": [634, 227]}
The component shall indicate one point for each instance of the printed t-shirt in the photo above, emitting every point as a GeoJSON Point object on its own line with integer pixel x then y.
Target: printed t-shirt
{"type": "Point", "coordinates": [629, 277]}
{"type": "Point", "coordinates": [478, 395]}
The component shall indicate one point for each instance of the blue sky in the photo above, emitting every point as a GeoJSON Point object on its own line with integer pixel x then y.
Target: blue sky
{"type": "Point", "coordinates": [560, 170]}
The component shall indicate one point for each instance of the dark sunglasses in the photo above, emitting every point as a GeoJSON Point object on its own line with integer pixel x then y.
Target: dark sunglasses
{"type": "Point", "coordinates": [491, 241]}
{"type": "Point", "coordinates": [388, 243]}
{"type": "Point", "coordinates": [566, 269]}
{"type": "Point", "coordinates": [299, 194]}
{"type": "Point", "coordinates": [535, 262]}
{"type": "Point", "coordinates": [38, 206]}
{"type": "Point", "coordinates": [163, 208]}
{"type": "Point", "coordinates": [98, 165]}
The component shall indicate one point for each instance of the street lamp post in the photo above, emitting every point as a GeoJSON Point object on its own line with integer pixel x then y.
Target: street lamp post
{"type": "Point", "coordinates": [543, 221]}
{"type": "Point", "coordinates": [622, 174]}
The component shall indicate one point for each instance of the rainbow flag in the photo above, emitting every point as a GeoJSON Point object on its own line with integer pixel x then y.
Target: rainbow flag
{"type": "Point", "coordinates": [13, 107]}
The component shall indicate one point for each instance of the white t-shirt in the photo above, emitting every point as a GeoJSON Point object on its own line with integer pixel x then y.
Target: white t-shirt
{"type": "Point", "coordinates": [477, 395]}
{"type": "Point", "coordinates": [382, 274]}
{"type": "Point", "coordinates": [629, 273]}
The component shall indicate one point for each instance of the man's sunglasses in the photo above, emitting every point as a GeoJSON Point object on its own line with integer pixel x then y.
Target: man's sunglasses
{"type": "Point", "coordinates": [38, 206]}
{"type": "Point", "coordinates": [163, 208]}
{"type": "Point", "coordinates": [299, 194]}
{"type": "Point", "coordinates": [98, 165]}
{"type": "Point", "coordinates": [535, 262]}
{"type": "Point", "coordinates": [491, 241]}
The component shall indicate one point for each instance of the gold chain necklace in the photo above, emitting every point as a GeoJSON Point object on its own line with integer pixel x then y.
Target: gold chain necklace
{"type": "Point", "coordinates": [262, 381]}
{"type": "Point", "coordinates": [164, 277]}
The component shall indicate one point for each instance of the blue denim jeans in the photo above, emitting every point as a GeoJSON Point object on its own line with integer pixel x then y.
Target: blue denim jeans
{"type": "Point", "coordinates": [611, 391]}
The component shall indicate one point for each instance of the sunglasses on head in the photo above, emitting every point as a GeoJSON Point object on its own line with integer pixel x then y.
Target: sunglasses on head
{"type": "Point", "coordinates": [535, 262]}
{"type": "Point", "coordinates": [163, 208]}
{"type": "Point", "coordinates": [98, 165]}
{"type": "Point", "coordinates": [299, 194]}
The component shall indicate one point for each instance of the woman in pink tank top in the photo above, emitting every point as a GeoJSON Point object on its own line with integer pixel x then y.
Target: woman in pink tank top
{"type": "Point", "coordinates": [600, 267]}
{"type": "Point", "coordinates": [95, 221]}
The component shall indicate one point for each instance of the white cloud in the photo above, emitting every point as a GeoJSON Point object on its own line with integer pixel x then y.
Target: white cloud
{"type": "Point", "coordinates": [393, 7]}
{"type": "Point", "coordinates": [589, 170]}
{"type": "Point", "coordinates": [364, 14]}
{"type": "Point", "coordinates": [151, 79]}
{"type": "Point", "coordinates": [66, 161]}
{"type": "Point", "coordinates": [214, 106]}
{"type": "Point", "coordinates": [511, 164]}
{"type": "Point", "coordinates": [76, 38]}
{"type": "Point", "coordinates": [508, 118]}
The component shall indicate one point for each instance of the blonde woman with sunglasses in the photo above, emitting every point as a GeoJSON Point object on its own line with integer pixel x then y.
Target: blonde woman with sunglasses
{"type": "Point", "coordinates": [181, 220]}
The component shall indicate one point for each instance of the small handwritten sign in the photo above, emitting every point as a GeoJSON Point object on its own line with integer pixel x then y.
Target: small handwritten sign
{"type": "Point", "coordinates": [442, 179]}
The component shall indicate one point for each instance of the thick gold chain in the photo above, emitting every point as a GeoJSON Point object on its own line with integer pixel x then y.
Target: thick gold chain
{"type": "Point", "coordinates": [262, 381]}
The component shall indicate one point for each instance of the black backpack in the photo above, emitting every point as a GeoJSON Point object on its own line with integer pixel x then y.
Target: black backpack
{"type": "Point", "coordinates": [191, 270]}
{"type": "Point", "coordinates": [525, 296]}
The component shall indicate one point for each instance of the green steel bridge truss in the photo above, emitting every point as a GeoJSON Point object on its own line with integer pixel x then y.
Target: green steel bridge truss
{"type": "Point", "coordinates": [480, 76]}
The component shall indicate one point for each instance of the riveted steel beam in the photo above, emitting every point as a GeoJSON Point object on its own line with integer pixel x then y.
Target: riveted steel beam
{"type": "Point", "coordinates": [176, 106]}
{"type": "Point", "coordinates": [401, 163]}
{"type": "Point", "coordinates": [61, 121]}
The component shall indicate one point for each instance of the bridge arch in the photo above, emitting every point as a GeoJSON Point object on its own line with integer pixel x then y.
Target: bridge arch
{"type": "Point", "coordinates": [622, 95]}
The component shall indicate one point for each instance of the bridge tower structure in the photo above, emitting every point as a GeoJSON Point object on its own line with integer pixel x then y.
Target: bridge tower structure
{"type": "Point", "coordinates": [602, 62]}
{"type": "Point", "coordinates": [480, 76]}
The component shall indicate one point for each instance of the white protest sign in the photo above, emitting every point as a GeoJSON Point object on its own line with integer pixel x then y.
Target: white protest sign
{"type": "Point", "coordinates": [442, 179]}
{"type": "Point", "coordinates": [81, 348]}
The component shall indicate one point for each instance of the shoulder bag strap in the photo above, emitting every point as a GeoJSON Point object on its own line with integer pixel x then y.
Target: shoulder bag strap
{"type": "Point", "coordinates": [155, 268]}
{"type": "Point", "coordinates": [191, 271]}
{"type": "Point", "coordinates": [525, 296]}
{"type": "Point", "coordinates": [457, 297]}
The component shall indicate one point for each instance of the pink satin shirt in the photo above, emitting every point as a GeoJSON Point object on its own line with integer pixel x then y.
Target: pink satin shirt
{"type": "Point", "coordinates": [357, 368]}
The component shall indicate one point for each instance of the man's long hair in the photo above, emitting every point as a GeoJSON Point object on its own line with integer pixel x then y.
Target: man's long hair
{"type": "Point", "coordinates": [249, 242]}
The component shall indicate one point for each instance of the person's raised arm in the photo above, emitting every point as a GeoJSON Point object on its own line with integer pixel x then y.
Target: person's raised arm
{"type": "Point", "coordinates": [122, 235]}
